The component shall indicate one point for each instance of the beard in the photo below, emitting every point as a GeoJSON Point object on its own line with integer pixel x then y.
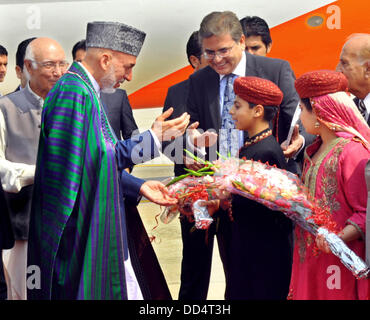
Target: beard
{"type": "Point", "coordinates": [108, 81]}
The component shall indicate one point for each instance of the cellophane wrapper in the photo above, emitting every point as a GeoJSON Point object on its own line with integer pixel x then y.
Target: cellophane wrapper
{"type": "Point", "coordinates": [283, 191]}
{"type": "Point", "coordinates": [275, 188]}
{"type": "Point", "coordinates": [188, 191]}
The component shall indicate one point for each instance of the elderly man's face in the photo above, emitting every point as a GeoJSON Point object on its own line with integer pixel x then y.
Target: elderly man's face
{"type": "Point", "coordinates": [120, 70]}
{"type": "Point", "coordinates": [350, 66]}
{"type": "Point", "coordinates": [50, 65]}
{"type": "Point", "coordinates": [3, 66]}
{"type": "Point", "coordinates": [223, 53]}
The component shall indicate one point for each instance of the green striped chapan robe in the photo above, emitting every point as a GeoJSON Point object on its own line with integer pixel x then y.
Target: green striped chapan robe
{"type": "Point", "coordinates": [77, 228]}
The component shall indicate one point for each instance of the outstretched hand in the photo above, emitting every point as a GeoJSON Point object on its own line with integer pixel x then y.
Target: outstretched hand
{"type": "Point", "coordinates": [157, 192]}
{"type": "Point", "coordinates": [206, 139]}
{"type": "Point", "coordinates": [295, 143]}
{"type": "Point", "coordinates": [170, 129]}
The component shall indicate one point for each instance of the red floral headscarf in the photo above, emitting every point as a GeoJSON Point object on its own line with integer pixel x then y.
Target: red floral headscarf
{"type": "Point", "coordinates": [333, 107]}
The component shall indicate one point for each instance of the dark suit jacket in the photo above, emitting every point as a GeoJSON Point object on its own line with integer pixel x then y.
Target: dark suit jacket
{"type": "Point", "coordinates": [119, 113]}
{"type": "Point", "coordinates": [176, 97]}
{"type": "Point", "coordinates": [203, 99]}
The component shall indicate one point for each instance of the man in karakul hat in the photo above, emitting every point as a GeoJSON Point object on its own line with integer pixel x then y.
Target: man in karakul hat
{"type": "Point", "coordinates": [80, 236]}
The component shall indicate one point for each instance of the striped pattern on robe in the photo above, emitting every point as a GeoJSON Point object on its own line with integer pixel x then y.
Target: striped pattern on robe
{"type": "Point", "coordinates": [77, 228]}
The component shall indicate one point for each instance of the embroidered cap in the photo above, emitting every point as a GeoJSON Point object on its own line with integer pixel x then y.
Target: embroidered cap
{"type": "Point", "coordinates": [115, 36]}
{"type": "Point", "coordinates": [258, 91]}
{"type": "Point", "coordinates": [320, 82]}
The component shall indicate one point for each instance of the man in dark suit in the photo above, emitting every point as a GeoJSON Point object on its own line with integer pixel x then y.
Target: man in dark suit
{"type": "Point", "coordinates": [177, 98]}
{"type": "Point", "coordinates": [191, 288]}
{"type": "Point", "coordinates": [354, 63]}
{"type": "Point", "coordinates": [223, 44]}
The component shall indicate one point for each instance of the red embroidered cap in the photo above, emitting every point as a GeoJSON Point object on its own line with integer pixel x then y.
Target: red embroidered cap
{"type": "Point", "coordinates": [320, 82]}
{"type": "Point", "coordinates": [258, 91]}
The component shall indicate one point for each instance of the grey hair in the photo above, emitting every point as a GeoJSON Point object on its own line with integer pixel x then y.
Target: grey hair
{"type": "Point", "coordinates": [217, 23]}
{"type": "Point", "coordinates": [363, 54]}
{"type": "Point", "coordinates": [29, 55]}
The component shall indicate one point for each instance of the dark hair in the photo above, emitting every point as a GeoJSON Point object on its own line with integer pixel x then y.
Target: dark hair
{"type": "Point", "coordinates": [307, 103]}
{"type": "Point", "coordinates": [3, 51]}
{"type": "Point", "coordinates": [256, 26]}
{"type": "Point", "coordinates": [269, 112]}
{"type": "Point", "coordinates": [193, 47]}
{"type": "Point", "coordinates": [21, 52]}
{"type": "Point", "coordinates": [78, 46]}
{"type": "Point", "coordinates": [217, 23]}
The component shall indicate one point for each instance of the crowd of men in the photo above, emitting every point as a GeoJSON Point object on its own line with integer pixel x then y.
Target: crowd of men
{"type": "Point", "coordinates": [70, 215]}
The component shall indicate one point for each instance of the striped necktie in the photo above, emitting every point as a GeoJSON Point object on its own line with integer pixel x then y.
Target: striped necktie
{"type": "Point", "coordinates": [362, 108]}
{"type": "Point", "coordinates": [229, 136]}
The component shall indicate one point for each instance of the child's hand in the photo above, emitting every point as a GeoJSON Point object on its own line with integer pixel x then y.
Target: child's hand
{"type": "Point", "coordinates": [212, 206]}
{"type": "Point", "coordinates": [322, 244]}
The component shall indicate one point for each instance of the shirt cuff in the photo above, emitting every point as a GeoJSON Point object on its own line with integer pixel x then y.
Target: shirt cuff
{"type": "Point", "coordinates": [156, 140]}
{"type": "Point", "coordinates": [189, 144]}
{"type": "Point", "coordinates": [14, 179]}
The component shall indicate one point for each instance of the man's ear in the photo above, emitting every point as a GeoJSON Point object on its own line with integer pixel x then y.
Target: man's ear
{"type": "Point", "coordinates": [18, 72]}
{"type": "Point", "coordinates": [105, 60]}
{"type": "Point", "coordinates": [242, 42]}
{"type": "Point", "coordinates": [194, 61]}
{"type": "Point", "coordinates": [28, 66]}
{"type": "Point", "coordinates": [268, 49]}
{"type": "Point", "coordinates": [367, 69]}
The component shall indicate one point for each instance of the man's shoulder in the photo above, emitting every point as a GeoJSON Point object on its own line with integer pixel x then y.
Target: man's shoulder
{"type": "Point", "coordinates": [179, 87]}
{"type": "Point", "coordinates": [204, 74]}
{"type": "Point", "coordinates": [16, 98]}
{"type": "Point", "coordinates": [267, 62]}
{"type": "Point", "coordinates": [117, 94]}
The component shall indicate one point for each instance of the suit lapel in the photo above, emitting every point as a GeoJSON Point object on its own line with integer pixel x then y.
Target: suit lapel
{"type": "Point", "coordinates": [213, 95]}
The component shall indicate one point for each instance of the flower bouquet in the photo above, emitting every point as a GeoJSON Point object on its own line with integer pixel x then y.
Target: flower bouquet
{"type": "Point", "coordinates": [275, 188]}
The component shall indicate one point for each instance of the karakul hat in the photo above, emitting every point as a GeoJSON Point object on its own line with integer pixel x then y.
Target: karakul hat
{"type": "Point", "coordinates": [115, 36]}
{"type": "Point", "coordinates": [258, 91]}
{"type": "Point", "coordinates": [320, 82]}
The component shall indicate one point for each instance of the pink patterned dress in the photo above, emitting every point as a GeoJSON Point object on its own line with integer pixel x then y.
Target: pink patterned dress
{"type": "Point", "coordinates": [337, 180]}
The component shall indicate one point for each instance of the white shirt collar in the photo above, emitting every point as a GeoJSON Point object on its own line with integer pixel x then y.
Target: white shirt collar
{"type": "Point", "coordinates": [240, 68]}
{"type": "Point", "coordinates": [92, 79]}
{"type": "Point", "coordinates": [37, 97]}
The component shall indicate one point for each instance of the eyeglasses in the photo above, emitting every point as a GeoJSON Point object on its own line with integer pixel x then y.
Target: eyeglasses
{"type": "Point", "coordinates": [52, 65]}
{"type": "Point", "coordinates": [222, 53]}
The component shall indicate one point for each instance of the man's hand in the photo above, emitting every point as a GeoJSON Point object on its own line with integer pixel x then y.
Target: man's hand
{"type": "Point", "coordinates": [212, 206]}
{"type": "Point", "coordinates": [170, 129]}
{"type": "Point", "coordinates": [205, 139]}
{"type": "Point", "coordinates": [157, 192]}
{"type": "Point", "coordinates": [192, 164]}
{"type": "Point", "coordinates": [295, 143]}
